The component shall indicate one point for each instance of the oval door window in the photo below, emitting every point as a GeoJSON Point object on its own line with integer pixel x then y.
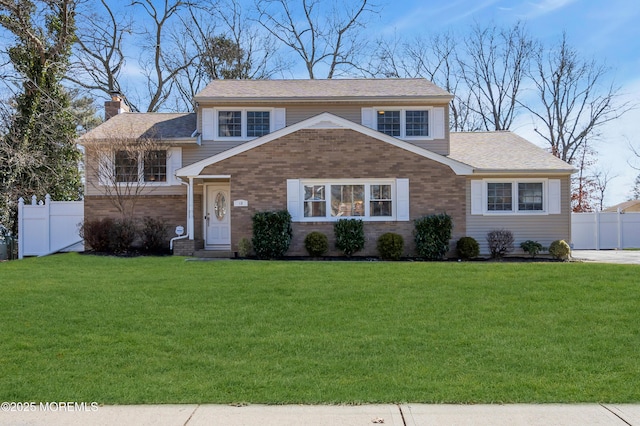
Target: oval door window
{"type": "Point", "coordinates": [220, 206]}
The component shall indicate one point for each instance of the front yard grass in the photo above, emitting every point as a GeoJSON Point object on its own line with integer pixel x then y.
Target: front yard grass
{"type": "Point", "coordinates": [162, 330]}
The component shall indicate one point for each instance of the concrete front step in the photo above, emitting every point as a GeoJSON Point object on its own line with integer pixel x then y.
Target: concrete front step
{"type": "Point", "coordinates": [214, 254]}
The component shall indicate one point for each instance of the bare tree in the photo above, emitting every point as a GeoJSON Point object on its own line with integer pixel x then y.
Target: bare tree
{"type": "Point", "coordinates": [333, 41]}
{"type": "Point", "coordinates": [493, 65]}
{"type": "Point", "coordinates": [98, 55]}
{"type": "Point", "coordinates": [601, 180]}
{"type": "Point", "coordinates": [121, 169]}
{"type": "Point", "coordinates": [161, 66]}
{"type": "Point", "coordinates": [583, 187]}
{"type": "Point", "coordinates": [574, 100]}
{"type": "Point", "coordinates": [635, 191]}
{"type": "Point", "coordinates": [435, 59]}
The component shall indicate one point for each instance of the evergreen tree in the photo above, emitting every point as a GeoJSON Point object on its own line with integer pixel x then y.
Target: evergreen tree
{"type": "Point", "coordinates": [39, 151]}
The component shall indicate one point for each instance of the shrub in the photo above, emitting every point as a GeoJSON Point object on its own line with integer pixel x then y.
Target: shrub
{"type": "Point", "coordinates": [121, 235]}
{"type": "Point", "coordinates": [531, 247]}
{"type": "Point", "coordinates": [467, 248]}
{"type": "Point", "coordinates": [154, 235]}
{"type": "Point", "coordinates": [349, 235]}
{"type": "Point", "coordinates": [244, 247]}
{"type": "Point", "coordinates": [432, 235]}
{"type": "Point", "coordinates": [316, 243]}
{"type": "Point", "coordinates": [500, 242]}
{"type": "Point", "coordinates": [271, 234]}
{"type": "Point", "coordinates": [559, 249]}
{"type": "Point", "coordinates": [390, 246]}
{"type": "Point", "coordinates": [96, 234]}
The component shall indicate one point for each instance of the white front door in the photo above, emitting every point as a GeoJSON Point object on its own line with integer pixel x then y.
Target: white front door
{"type": "Point", "coordinates": [216, 217]}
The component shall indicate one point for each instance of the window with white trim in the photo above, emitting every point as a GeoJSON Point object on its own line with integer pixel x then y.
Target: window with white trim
{"type": "Point", "coordinates": [403, 123]}
{"type": "Point", "coordinates": [515, 196]}
{"type": "Point", "coordinates": [144, 167]}
{"type": "Point", "coordinates": [371, 200]}
{"type": "Point", "coordinates": [242, 123]}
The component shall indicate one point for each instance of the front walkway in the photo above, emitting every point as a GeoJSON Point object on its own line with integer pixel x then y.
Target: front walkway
{"type": "Point", "coordinates": [330, 415]}
{"type": "Point", "coordinates": [608, 256]}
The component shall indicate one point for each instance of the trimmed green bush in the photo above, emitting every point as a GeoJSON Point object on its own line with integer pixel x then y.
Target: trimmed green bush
{"type": "Point", "coordinates": [316, 243]}
{"type": "Point", "coordinates": [559, 249]}
{"type": "Point", "coordinates": [349, 235]}
{"type": "Point", "coordinates": [531, 247]}
{"type": "Point", "coordinates": [271, 234]}
{"type": "Point", "coordinates": [390, 246]}
{"type": "Point", "coordinates": [467, 248]}
{"type": "Point", "coordinates": [500, 242]}
{"type": "Point", "coordinates": [154, 235]}
{"type": "Point", "coordinates": [432, 235]}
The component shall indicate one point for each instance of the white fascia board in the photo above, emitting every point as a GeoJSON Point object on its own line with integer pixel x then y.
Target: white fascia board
{"type": "Point", "coordinates": [327, 121]}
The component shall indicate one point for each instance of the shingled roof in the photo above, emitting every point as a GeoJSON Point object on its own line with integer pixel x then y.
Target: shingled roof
{"type": "Point", "coordinates": [131, 125]}
{"type": "Point", "coordinates": [314, 90]}
{"type": "Point", "coordinates": [503, 152]}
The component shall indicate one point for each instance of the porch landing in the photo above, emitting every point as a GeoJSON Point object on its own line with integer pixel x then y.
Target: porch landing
{"type": "Point", "coordinates": [213, 254]}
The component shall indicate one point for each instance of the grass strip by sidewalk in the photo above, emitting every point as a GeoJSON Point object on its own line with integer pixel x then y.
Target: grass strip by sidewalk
{"type": "Point", "coordinates": [162, 330]}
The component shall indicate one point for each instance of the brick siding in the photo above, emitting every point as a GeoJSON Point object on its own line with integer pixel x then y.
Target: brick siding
{"type": "Point", "coordinates": [260, 174]}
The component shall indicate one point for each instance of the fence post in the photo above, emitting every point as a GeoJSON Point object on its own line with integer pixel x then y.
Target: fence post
{"type": "Point", "coordinates": [619, 217]}
{"type": "Point", "coordinates": [20, 228]}
{"type": "Point", "coordinates": [47, 209]}
{"type": "Point", "coordinates": [597, 217]}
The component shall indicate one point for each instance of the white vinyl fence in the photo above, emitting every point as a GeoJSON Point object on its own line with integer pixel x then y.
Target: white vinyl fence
{"type": "Point", "coordinates": [49, 227]}
{"type": "Point", "coordinates": [600, 230]}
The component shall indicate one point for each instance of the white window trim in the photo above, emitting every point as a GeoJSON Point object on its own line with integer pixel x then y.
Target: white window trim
{"type": "Point", "coordinates": [169, 181]}
{"type": "Point", "coordinates": [367, 192]}
{"type": "Point", "coordinates": [243, 122]}
{"type": "Point", "coordinates": [514, 197]}
{"type": "Point", "coordinates": [403, 121]}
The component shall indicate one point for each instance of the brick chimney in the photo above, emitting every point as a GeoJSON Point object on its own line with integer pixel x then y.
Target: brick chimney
{"type": "Point", "coordinates": [115, 106]}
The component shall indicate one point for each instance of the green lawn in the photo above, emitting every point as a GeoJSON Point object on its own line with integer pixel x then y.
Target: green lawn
{"type": "Point", "coordinates": [163, 330]}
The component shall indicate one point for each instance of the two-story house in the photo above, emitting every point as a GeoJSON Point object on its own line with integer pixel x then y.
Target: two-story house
{"type": "Point", "coordinates": [375, 149]}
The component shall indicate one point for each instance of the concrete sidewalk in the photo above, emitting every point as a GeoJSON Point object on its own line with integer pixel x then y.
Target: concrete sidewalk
{"type": "Point", "coordinates": [331, 415]}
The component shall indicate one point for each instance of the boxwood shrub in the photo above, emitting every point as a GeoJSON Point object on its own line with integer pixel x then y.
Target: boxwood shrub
{"type": "Point", "coordinates": [390, 246]}
{"type": "Point", "coordinates": [316, 243]}
{"type": "Point", "coordinates": [467, 248]}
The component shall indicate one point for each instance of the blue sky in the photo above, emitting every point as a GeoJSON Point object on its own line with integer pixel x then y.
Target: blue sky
{"type": "Point", "coordinates": [605, 30]}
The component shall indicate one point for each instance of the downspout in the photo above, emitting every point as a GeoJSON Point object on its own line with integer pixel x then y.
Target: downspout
{"type": "Point", "coordinates": [182, 237]}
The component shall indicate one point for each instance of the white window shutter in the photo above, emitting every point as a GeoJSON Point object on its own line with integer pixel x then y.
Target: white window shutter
{"type": "Point", "coordinates": [477, 199]}
{"type": "Point", "coordinates": [174, 162]}
{"type": "Point", "coordinates": [208, 117]}
{"type": "Point", "coordinates": [402, 195]}
{"type": "Point", "coordinates": [106, 168]}
{"type": "Point", "coordinates": [368, 115]}
{"type": "Point", "coordinates": [437, 129]}
{"type": "Point", "coordinates": [293, 198]}
{"type": "Point", "coordinates": [555, 196]}
{"type": "Point", "coordinates": [279, 118]}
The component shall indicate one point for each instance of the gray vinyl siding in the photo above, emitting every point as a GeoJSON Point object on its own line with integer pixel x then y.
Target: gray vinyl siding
{"type": "Point", "coordinates": [296, 113]}
{"type": "Point", "coordinates": [193, 154]}
{"type": "Point", "coordinates": [541, 228]}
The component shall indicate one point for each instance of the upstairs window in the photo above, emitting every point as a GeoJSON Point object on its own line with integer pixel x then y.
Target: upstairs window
{"type": "Point", "coordinates": [155, 166]}
{"type": "Point", "coordinates": [138, 167]}
{"type": "Point", "coordinates": [258, 123]}
{"type": "Point", "coordinates": [242, 124]}
{"type": "Point", "coordinates": [229, 124]}
{"type": "Point", "coordinates": [389, 123]}
{"type": "Point", "coordinates": [126, 166]}
{"type": "Point", "coordinates": [403, 123]}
